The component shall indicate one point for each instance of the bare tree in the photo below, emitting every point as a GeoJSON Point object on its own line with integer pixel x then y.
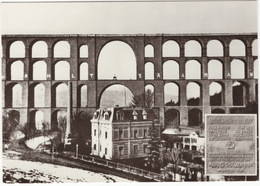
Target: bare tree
{"type": "Point", "coordinates": [175, 155]}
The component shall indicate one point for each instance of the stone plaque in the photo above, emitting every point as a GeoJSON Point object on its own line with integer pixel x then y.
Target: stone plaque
{"type": "Point", "coordinates": [231, 144]}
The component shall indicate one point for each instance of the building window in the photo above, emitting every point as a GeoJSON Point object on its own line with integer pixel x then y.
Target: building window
{"type": "Point", "coordinates": [120, 134]}
{"type": "Point", "coordinates": [106, 135]}
{"type": "Point", "coordinates": [187, 140]}
{"type": "Point", "coordinates": [116, 134]}
{"type": "Point", "coordinates": [95, 147]}
{"type": "Point", "coordinates": [100, 147]}
{"type": "Point", "coordinates": [105, 151]}
{"type": "Point", "coordinates": [121, 150]}
{"type": "Point", "coordinates": [95, 132]}
{"type": "Point", "coordinates": [106, 117]}
{"type": "Point", "coordinates": [193, 147]}
{"type": "Point", "coordinates": [193, 140]}
{"type": "Point", "coordinates": [145, 149]}
{"type": "Point", "coordinates": [125, 133]}
{"type": "Point", "coordinates": [135, 149]}
{"type": "Point", "coordinates": [145, 133]}
{"type": "Point", "coordinates": [140, 133]}
{"type": "Point", "coordinates": [135, 133]}
{"type": "Point", "coordinates": [187, 147]}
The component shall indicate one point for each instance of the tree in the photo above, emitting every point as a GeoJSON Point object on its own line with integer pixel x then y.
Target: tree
{"type": "Point", "coordinates": [62, 124]}
{"type": "Point", "coordinates": [145, 99]}
{"type": "Point", "coordinates": [175, 154]}
{"type": "Point", "coordinates": [10, 122]}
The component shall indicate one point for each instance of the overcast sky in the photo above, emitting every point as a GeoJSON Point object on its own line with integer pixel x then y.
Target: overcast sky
{"type": "Point", "coordinates": [129, 17]}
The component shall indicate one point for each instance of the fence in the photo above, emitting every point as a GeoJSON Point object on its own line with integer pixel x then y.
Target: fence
{"type": "Point", "coordinates": [120, 166]}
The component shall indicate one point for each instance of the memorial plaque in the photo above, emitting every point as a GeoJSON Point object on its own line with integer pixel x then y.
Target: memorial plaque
{"type": "Point", "coordinates": [231, 144]}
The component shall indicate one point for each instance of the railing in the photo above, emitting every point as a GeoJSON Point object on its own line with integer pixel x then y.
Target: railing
{"type": "Point", "coordinates": [120, 166]}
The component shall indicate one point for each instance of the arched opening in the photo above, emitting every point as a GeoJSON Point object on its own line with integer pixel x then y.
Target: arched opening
{"type": "Point", "coordinates": [216, 94]}
{"type": "Point", "coordinates": [195, 117]}
{"type": "Point", "coordinates": [119, 95]}
{"type": "Point", "coordinates": [62, 70]}
{"type": "Point", "coordinates": [237, 48]}
{"type": "Point", "coordinates": [56, 118]}
{"type": "Point", "coordinates": [171, 70]}
{"type": "Point", "coordinates": [17, 70]}
{"type": "Point", "coordinates": [215, 69]}
{"type": "Point", "coordinates": [17, 50]}
{"type": "Point", "coordinates": [256, 69]}
{"type": "Point", "coordinates": [149, 51]}
{"type": "Point", "coordinates": [171, 94]}
{"type": "Point", "coordinates": [17, 95]}
{"type": "Point", "coordinates": [61, 96]}
{"type": "Point", "coordinates": [149, 70]}
{"type": "Point", "coordinates": [192, 69]}
{"type": "Point", "coordinates": [171, 49]}
{"type": "Point", "coordinates": [39, 95]}
{"type": "Point", "coordinates": [215, 48]}
{"type": "Point", "coordinates": [193, 93]}
{"type": "Point", "coordinates": [83, 97]}
{"type": "Point", "coordinates": [238, 69]}
{"type": "Point", "coordinates": [40, 70]}
{"type": "Point", "coordinates": [192, 49]}
{"type": "Point", "coordinates": [149, 96]}
{"type": "Point", "coordinates": [36, 119]}
{"type": "Point", "coordinates": [240, 93]}
{"type": "Point", "coordinates": [218, 111]}
{"type": "Point", "coordinates": [39, 50]}
{"type": "Point", "coordinates": [14, 118]}
{"type": "Point", "coordinates": [62, 49]}
{"type": "Point", "coordinates": [83, 51]}
{"type": "Point", "coordinates": [117, 61]}
{"type": "Point", "coordinates": [255, 48]}
{"type": "Point", "coordinates": [83, 71]}
{"type": "Point", "coordinates": [172, 118]}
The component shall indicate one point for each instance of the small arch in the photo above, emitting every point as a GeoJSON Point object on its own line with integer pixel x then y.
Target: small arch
{"type": "Point", "coordinates": [39, 95]}
{"type": "Point", "coordinates": [17, 95]}
{"type": "Point", "coordinates": [172, 118]}
{"type": "Point", "coordinates": [171, 94]}
{"type": "Point", "coordinates": [149, 70]}
{"type": "Point", "coordinates": [39, 70]}
{"type": "Point", "coordinates": [83, 89]}
{"type": "Point", "coordinates": [14, 117]}
{"type": "Point", "coordinates": [40, 50]}
{"type": "Point", "coordinates": [193, 92]}
{"type": "Point", "coordinates": [192, 49]}
{"type": "Point", "coordinates": [195, 117]}
{"type": "Point", "coordinates": [237, 48]}
{"type": "Point", "coordinates": [218, 111]}
{"type": "Point", "coordinates": [149, 51]}
{"type": "Point", "coordinates": [193, 69]}
{"type": "Point", "coordinates": [62, 49]}
{"type": "Point", "coordinates": [215, 69]}
{"type": "Point", "coordinates": [17, 70]}
{"type": "Point", "coordinates": [171, 49]}
{"type": "Point", "coordinates": [256, 69]}
{"type": "Point", "coordinates": [215, 48]}
{"type": "Point", "coordinates": [255, 47]}
{"type": "Point", "coordinates": [83, 71]}
{"type": "Point", "coordinates": [17, 50]}
{"type": "Point", "coordinates": [171, 70]}
{"type": "Point", "coordinates": [83, 51]}
{"type": "Point", "coordinates": [62, 70]}
{"type": "Point", "coordinates": [61, 95]}
{"type": "Point", "coordinates": [149, 96]}
{"type": "Point", "coordinates": [240, 93]}
{"type": "Point", "coordinates": [238, 69]}
{"type": "Point", "coordinates": [216, 94]}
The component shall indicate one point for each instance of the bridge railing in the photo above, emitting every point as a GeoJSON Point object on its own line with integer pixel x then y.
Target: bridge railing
{"type": "Point", "coordinates": [120, 166]}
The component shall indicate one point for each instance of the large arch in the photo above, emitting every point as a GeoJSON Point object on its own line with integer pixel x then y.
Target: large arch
{"type": "Point", "coordinates": [255, 47]}
{"type": "Point", "coordinates": [40, 50]}
{"type": "Point", "coordinates": [61, 95]}
{"type": "Point", "coordinates": [237, 48]}
{"type": "Point", "coordinates": [238, 69]}
{"type": "Point", "coordinates": [17, 70]}
{"type": "Point", "coordinates": [149, 51]}
{"type": "Point", "coordinates": [62, 49]}
{"type": "Point", "coordinates": [193, 93]}
{"type": "Point", "coordinates": [83, 51]}
{"type": "Point", "coordinates": [83, 71]}
{"type": "Point", "coordinates": [215, 69]}
{"type": "Point", "coordinates": [62, 70]}
{"type": "Point", "coordinates": [39, 70]}
{"type": "Point", "coordinates": [39, 95]}
{"type": "Point", "coordinates": [192, 49]}
{"type": "Point", "coordinates": [215, 48]}
{"type": "Point", "coordinates": [17, 50]}
{"type": "Point", "coordinates": [171, 94]}
{"type": "Point", "coordinates": [216, 94]}
{"type": "Point", "coordinates": [171, 49]}
{"type": "Point", "coordinates": [195, 117]}
{"type": "Point", "coordinates": [149, 96]}
{"type": "Point", "coordinates": [240, 93]}
{"type": "Point", "coordinates": [149, 70]}
{"type": "Point", "coordinates": [192, 69]}
{"type": "Point", "coordinates": [172, 118]}
{"type": "Point", "coordinates": [117, 61]}
{"type": "Point", "coordinates": [171, 70]}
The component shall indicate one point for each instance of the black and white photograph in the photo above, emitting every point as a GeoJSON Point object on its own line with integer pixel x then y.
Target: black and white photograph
{"type": "Point", "coordinates": [130, 91]}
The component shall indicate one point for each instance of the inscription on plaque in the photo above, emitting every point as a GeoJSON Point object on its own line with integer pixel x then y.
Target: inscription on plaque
{"type": "Point", "coordinates": [231, 144]}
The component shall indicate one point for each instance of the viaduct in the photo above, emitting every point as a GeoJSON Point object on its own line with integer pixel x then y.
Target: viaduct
{"type": "Point", "coordinates": [26, 85]}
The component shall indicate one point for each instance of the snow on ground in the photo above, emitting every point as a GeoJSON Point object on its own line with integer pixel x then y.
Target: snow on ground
{"type": "Point", "coordinates": [35, 142]}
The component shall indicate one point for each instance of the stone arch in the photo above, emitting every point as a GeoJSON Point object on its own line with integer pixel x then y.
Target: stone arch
{"type": "Point", "coordinates": [149, 51]}
{"type": "Point", "coordinates": [240, 91]}
{"type": "Point", "coordinates": [83, 96]}
{"type": "Point", "coordinates": [83, 71]}
{"type": "Point", "coordinates": [192, 49]}
{"type": "Point", "coordinates": [215, 48]}
{"type": "Point", "coordinates": [149, 96]}
{"type": "Point", "coordinates": [17, 95]}
{"type": "Point", "coordinates": [149, 70]}
{"type": "Point", "coordinates": [215, 69]}
{"type": "Point", "coordinates": [171, 94]}
{"type": "Point", "coordinates": [193, 69]}
{"type": "Point", "coordinates": [39, 71]}
{"type": "Point", "coordinates": [83, 51]}
{"type": "Point", "coordinates": [17, 70]}
{"type": "Point", "coordinates": [218, 111]}
{"type": "Point", "coordinates": [238, 69]}
{"type": "Point", "coordinates": [216, 92]}
{"type": "Point", "coordinates": [17, 50]}
{"type": "Point", "coordinates": [14, 117]}
{"type": "Point", "coordinates": [171, 70]}
{"type": "Point", "coordinates": [256, 69]}
{"type": "Point", "coordinates": [172, 118]}
{"type": "Point", "coordinates": [121, 57]}
{"type": "Point", "coordinates": [61, 49]}
{"type": "Point", "coordinates": [195, 117]}
{"type": "Point", "coordinates": [40, 49]}
{"type": "Point", "coordinates": [60, 92]}
{"type": "Point", "coordinates": [36, 119]}
{"type": "Point", "coordinates": [37, 95]}
{"type": "Point", "coordinates": [171, 49]}
{"type": "Point", "coordinates": [62, 70]}
{"type": "Point", "coordinates": [255, 47]}
{"type": "Point", "coordinates": [237, 48]}
{"type": "Point", "coordinates": [56, 114]}
{"type": "Point", "coordinates": [193, 93]}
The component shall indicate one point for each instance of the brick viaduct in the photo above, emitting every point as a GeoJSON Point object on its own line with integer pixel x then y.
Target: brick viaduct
{"type": "Point", "coordinates": [138, 43]}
